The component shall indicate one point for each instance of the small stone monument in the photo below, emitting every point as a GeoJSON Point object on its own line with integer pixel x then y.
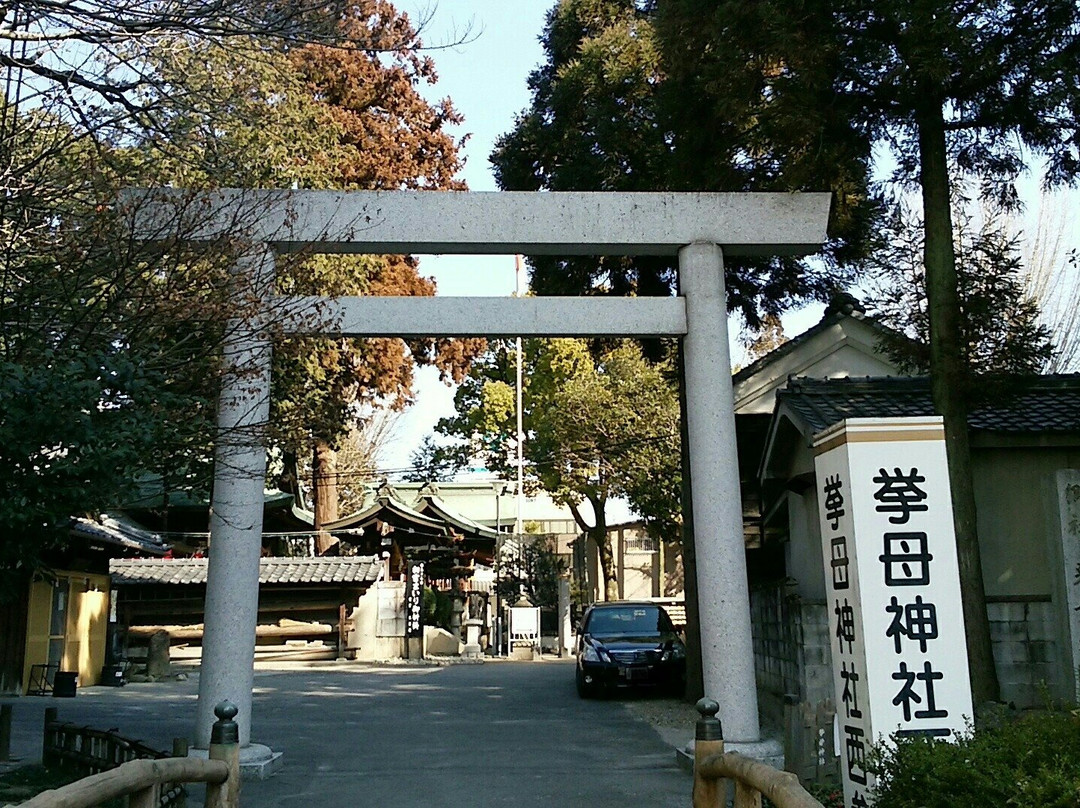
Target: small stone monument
{"type": "Point", "coordinates": [157, 655]}
{"type": "Point", "coordinates": [524, 630]}
{"type": "Point", "coordinates": [472, 639]}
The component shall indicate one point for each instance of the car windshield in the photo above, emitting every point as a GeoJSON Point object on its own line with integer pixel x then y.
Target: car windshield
{"type": "Point", "coordinates": [627, 621]}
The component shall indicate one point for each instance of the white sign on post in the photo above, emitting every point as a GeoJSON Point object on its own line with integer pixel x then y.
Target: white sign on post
{"type": "Point", "coordinates": [893, 587]}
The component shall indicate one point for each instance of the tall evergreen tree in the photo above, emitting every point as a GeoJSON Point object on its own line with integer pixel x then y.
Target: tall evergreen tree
{"type": "Point", "coordinates": [602, 118]}
{"type": "Point", "coordinates": [935, 84]}
{"type": "Point", "coordinates": [1002, 335]}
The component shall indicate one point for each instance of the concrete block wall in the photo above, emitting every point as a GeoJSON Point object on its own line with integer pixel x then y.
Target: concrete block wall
{"type": "Point", "coordinates": [791, 649]}
{"type": "Point", "coordinates": [1026, 651]}
{"type": "Point", "coordinates": [793, 652]}
{"type": "Point", "coordinates": [817, 683]}
{"type": "Point", "coordinates": [776, 643]}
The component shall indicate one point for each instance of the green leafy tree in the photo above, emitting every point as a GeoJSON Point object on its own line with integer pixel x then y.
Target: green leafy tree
{"type": "Point", "coordinates": [100, 379]}
{"type": "Point", "coordinates": [802, 96]}
{"type": "Point", "coordinates": [123, 341]}
{"type": "Point", "coordinates": [533, 568]}
{"type": "Point", "coordinates": [602, 117]}
{"type": "Point", "coordinates": [595, 427]}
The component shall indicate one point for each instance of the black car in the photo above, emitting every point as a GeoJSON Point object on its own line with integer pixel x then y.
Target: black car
{"type": "Point", "coordinates": [628, 644]}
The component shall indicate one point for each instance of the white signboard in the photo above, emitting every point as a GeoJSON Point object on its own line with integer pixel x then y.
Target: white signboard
{"type": "Point", "coordinates": [899, 654]}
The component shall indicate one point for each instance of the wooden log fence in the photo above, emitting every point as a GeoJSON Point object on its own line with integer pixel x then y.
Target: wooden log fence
{"type": "Point", "coordinates": [142, 781]}
{"type": "Point", "coordinates": [285, 629]}
{"type": "Point", "coordinates": [88, 750]}
{"type": "Point", "coordinates": [713, 768]}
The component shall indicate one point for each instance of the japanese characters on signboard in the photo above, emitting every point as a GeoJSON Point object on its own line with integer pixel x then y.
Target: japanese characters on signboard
{"type": "Point", "coordinates": [414, 600]}
{"type": "Point", "coordinates": [892, 583]}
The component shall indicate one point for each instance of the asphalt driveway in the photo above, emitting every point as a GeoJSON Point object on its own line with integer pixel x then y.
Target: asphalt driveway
{"type": "Point", "coordinates": [494, 734]}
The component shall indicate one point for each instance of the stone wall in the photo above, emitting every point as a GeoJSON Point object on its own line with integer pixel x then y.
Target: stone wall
{"type": "Point", "coordinates": [1026, 650]}
{"type": "Point", "coordinates": [792, 663]}
{"type": "Point", "coordinates": [791, 650]}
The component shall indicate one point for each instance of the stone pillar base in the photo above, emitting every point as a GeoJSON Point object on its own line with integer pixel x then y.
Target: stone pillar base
{"type": "Point", "coordinates": [770, 751]}
{"type": "Point", "coordinates": [257, 762]}
{"type": "Point", "coordinates": [523, 652]}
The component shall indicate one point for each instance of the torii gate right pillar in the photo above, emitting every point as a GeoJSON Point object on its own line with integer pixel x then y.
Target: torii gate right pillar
{"type": "Point", "coordinates": [727, 653]}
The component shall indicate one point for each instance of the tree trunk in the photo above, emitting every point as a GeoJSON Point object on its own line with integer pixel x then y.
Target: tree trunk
{"type": "Point", "coordinates": [599, 534]}
{"type": "Point", "coordinates": [695, 680]}
{"type": "Point", "coordinates": [13, 614]}
{"type": "Point", "coordinates": [949, 379]}
{"type": "Point", "coordinates": [289, 479]}
{"type": "Point", "coordinates": [324, 490]}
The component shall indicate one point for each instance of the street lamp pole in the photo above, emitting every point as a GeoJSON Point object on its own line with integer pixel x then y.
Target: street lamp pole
{"type": "Point", "coordinates": [520, 419]}
{"type": "Point", "coordinates": [500, 489]}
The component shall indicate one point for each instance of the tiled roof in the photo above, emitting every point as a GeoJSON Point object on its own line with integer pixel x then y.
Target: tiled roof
{"type": "Point", "coordinates": [830, 318]}
{"type": "Point", "coordinates": [1038, 404]}
{"type": "Point", "coordinates": [387, 506]}
{"type": "Point", "coordinates": [185, 571]}
{"type": "Point", "coordinates": [111, 530]}
{"type": "Point", "coordinates": [432, 505]}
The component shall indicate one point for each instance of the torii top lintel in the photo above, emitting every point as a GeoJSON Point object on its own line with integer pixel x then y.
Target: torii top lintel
{"type": "Point", "coordinates": [419, 222]}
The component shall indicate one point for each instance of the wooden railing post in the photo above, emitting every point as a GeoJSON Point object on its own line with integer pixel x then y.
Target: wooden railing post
{"type": "Point", "coordinates": [5, 732]}
{"type": "Point", "coordinates": [48, 755]}
{"type": "Point", "coordinates": [177, 791]}
{"type": "Point", "coordinates": [225, 746]}
{"type": "Point", "coordinates": [148, 797]}
{"type": "Point", "coordinates": [708, 741]}
{"type": "Point", "coordinates": [746, 796]}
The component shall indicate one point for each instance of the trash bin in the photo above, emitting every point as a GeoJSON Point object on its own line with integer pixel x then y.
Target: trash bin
{"type": "Point", "coordinates": [64, 684]}
{"type": "Point", "coordinates": [113, 676]}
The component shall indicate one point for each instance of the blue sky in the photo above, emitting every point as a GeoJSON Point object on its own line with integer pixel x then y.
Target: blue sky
{"type": "Point", "coordinates": [486, 78]}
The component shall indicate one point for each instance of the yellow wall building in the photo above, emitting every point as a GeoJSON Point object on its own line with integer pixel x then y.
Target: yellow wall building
{"type": "Point", "coordinates": [66, 625]}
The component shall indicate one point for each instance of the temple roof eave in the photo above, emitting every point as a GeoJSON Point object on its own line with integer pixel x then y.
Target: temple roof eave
{"type": "Point", "coordinates": [468, 528]}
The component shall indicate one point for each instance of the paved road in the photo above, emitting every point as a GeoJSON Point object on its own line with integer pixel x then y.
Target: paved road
{"type": "Point", "coordinates": [496, 734]}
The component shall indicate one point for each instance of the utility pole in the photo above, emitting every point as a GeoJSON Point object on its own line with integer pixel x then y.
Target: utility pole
{"type": "Point", "coordinates": [520, 431]}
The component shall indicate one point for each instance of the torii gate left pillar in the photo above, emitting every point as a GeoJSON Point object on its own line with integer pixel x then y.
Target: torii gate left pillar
{"type": "Point", "coordinates": [699, 228]}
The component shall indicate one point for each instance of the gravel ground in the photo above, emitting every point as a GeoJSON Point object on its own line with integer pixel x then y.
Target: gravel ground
{"type": "Point", "coordinates": [672, 719]}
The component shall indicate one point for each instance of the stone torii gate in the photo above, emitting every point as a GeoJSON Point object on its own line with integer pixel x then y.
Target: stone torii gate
{"type": "Point", "coordinates": [699, 228]}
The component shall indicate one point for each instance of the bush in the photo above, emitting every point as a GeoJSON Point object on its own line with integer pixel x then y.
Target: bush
{"type": "Point", "coordinates": [437, 606]}
{"type": "Point", "coordinates": [1032, 762]}
{"type": "Point", "coordinates": [830, 796]}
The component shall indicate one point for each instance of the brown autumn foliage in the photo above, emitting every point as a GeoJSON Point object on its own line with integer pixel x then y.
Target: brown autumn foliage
{"type": "Point", "coordinates": [390, 138]}
{"type": "Point", "coordinates": [394, 137]}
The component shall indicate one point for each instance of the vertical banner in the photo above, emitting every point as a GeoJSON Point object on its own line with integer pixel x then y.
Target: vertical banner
{"type": "Point", "coordinates": [414, 600]}
{"type": "Point", "coordinates": [893, 587]}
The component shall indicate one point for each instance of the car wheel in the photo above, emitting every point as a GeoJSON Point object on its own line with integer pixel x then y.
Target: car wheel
{"type": "Point", "coordinates": [584, 689]}
{"type": "Point", "coordinates": [677, 689]}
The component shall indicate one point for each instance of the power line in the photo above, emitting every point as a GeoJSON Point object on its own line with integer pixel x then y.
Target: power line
{"type": "Point", "coordinates": [377, 473]}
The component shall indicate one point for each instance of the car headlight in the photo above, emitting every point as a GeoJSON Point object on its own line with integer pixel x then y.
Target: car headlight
{"type": "Point", "coordinates": [674, 652]}
{"type": "Point", "coordinates": [594, 653]}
